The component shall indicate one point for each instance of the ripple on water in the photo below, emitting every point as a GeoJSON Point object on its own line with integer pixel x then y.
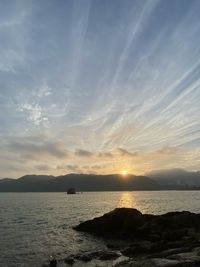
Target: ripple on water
{"type": "Point", "coordinates": [36, 225]}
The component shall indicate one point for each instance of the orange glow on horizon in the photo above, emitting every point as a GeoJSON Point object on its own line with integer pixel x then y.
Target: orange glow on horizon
{"type": "Point", "coordinates": [124, 172]}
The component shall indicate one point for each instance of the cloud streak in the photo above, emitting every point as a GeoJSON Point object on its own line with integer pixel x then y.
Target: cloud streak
{"type": "Point", "coordinates": [109, 84]}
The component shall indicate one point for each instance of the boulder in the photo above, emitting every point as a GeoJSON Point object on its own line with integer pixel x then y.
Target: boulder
{"type": "Point", "coordinates": [160, 262]}
{"type": "Point", "coordinates": [168, 240]}
{"type": "Point", "coordinates": [137, 248]}
{"type": "Point", "coordinates": [70, 260]}
{"type": "Point", "coordinates": [103, 255]}
{"type": "Point", "coordinates": [109, 255]}
{"type": "Point", "coordinates": [53, 263]}
{"type": "Point", "coordinates": [127, 223]}
{"type": "Point", "coordinates": [121, 222]}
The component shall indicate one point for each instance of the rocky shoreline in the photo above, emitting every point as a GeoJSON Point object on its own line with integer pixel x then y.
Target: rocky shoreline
{"type": "Point", "coordinates": [142, 240]}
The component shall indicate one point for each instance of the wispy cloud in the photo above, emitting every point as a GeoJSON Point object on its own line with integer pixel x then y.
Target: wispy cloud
{"type": "Point", "coordinates": [34, 113]}
{"type": "Point", "coordinates": [111, 85]}
{"type": "Point", "coordinates": [125, 152]}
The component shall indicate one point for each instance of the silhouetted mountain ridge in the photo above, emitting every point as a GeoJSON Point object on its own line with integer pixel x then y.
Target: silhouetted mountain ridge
{"type": "Point", "coordinates": [176, 178]}
{"type": "Point", "coordinates": [82, 182]}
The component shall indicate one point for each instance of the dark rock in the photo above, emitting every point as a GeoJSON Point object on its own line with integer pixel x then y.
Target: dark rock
{"type": "Point", "coordinates": [172, 251]}
{"type": "Point", "coordinates": [168, 240]}
{"type": "Point", "coordinates": [112, 246]}
{"type": "Point", "coordinates": [159, 246]}
{"type": "Point", "coordinates": [96, 254]}
{"type": "Point", "coordinates": [120, 222]}
{"type": "Point", "coordinates": [157, 262]}
{"type": "Point", "coordinates": [174, 234]}
{"type": "Point", "coordinates": [103, 255]}
{"type": "Point", "coordinates": [137, 249]}
{"type": "Point", "coordinates": [160, 262]}
{"type": "Point", "coordinates": [127, 223]}
{"type": "Point", "coordinates": [109, 255]}
{"type": "Point", "coordinates": [69, 260]}
{"type": "Point", "coordinates": [53, 263]}
{"type": "Point", "coordinates": [186, 256]}
{"type": "Point", "coordinates": [84, 257]}
{"type": "Point", "coordinates": [126, 263]}
{"type": "Point", "coordinates": [154, 237]}
{"type": "Point", "coordinates": [89, 256]}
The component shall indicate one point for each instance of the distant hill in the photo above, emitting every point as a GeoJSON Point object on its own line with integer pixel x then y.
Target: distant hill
{"type": "Point", "coordinates": [5, 180]}
{"type": "Point", "coordinates": [82, 182]}
{"type": "Point", "coordinates": [155, 180]}
{"type": "Point", "coordinates": [176, 178]}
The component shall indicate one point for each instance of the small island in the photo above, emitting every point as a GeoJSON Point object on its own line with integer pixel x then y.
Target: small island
{"type": "Point", "coordinates": [71, 191]}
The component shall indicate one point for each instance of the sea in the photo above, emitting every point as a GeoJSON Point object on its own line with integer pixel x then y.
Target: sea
{"type": "Point", "coordinates": [37, 226]}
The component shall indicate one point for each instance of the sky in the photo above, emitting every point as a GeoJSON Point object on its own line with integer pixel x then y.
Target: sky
{"type": "Point", "coordinates": [100, 86]}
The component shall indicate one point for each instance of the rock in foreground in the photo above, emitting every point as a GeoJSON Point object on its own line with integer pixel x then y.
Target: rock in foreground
{"type": "Point", "coordinates": [142, 240]}
{"type": "Point", "coordinates": [127, 223]}
{"type": "Point", "coordinates": [168, 240]}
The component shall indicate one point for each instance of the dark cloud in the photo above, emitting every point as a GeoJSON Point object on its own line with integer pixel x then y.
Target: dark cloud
{"type": "Point", "coordinates": [97, 167]}
{"type": "Point", "coordinates": [125, 152]}
{"type": "Point", "coordinates": [83, 153]}
{"type": "Point", "coordinates": [68, 168]}
{"type": "Point", "coordinates": [43, 167]}
{"type": "Point", "coordinates": [34, 150]}
{"type": "Point", "coordinates": [73, 167]}
{"type": "Point", "coordinates": [105, 154]}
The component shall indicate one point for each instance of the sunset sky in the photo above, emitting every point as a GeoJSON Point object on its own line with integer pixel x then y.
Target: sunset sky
{"type": "Point", "coordinates": [100, 86]}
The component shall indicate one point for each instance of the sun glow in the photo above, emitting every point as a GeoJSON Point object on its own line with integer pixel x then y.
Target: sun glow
{"type": "Point", "coordinates": [127, 200]}
{"type": "Point", "coordinates": [124, 172]}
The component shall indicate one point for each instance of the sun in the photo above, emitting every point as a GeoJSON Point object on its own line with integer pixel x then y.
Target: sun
{"type": "Point", "coordinates": [124, 172]}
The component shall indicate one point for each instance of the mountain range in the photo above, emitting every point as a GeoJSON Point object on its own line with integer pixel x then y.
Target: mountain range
{"type": "Point", "coordinates": [176, 178]}
{"type": "Point", "coordinates": [155, 180]}
{"type": "Point", "coordinates": [82, 182]}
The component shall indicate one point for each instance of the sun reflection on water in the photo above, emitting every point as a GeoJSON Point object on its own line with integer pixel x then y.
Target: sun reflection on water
{"type": "Point", "coordinates": [127, 200]}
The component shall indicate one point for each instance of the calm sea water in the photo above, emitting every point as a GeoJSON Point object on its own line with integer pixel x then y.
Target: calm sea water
{"type": "Point", "coordinates": [34, 226]}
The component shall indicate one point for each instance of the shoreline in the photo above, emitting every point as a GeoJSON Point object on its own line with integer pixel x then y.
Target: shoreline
{"type": "Point", "coordinates": [141, 240]}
